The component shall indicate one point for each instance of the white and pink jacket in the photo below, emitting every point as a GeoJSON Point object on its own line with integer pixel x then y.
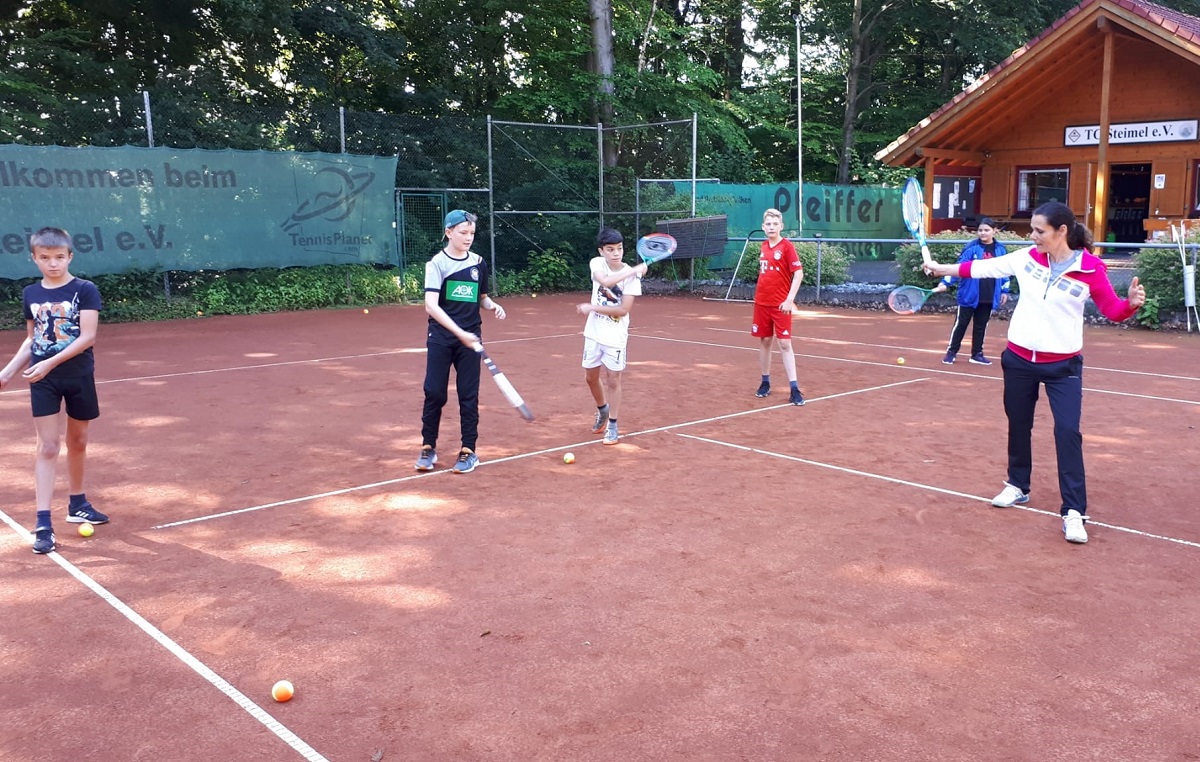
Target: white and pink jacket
{"type": "Point", "coordinates": [1047, 324]}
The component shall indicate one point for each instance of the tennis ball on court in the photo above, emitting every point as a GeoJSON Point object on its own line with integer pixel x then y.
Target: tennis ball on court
{"type": "Point", "coordinates": [899, 360]}
{"type": "Point", "coordinates": [569, 458]}
{"type": "Point", "coordinates": [366, 312]}
{"type": "Point", "coordinates": [282, 691]}
{"type": "Point", "coordinates": [86, 530]}
{"type": "Point", "coordinates": [535, 296]}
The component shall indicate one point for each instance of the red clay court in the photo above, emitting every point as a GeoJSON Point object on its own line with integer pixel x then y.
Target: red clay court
{"type": "Point", "coordinates": [738, 579]}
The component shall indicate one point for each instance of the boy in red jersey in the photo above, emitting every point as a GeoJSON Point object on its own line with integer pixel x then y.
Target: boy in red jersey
{"type": "Point", "coordinates": [779, 274]}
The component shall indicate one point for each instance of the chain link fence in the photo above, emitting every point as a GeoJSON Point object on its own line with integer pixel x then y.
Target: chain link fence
{"type": "Point", "coordinates": [544, 188]}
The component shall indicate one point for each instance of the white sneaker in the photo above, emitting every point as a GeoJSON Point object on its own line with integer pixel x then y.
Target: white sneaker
{"type": "Point", "coordinates": [611, 437]}
{"type": "Point", "coordinates": [1073, 528]}
{"type": "Point", "coordinates": [1009, 497]}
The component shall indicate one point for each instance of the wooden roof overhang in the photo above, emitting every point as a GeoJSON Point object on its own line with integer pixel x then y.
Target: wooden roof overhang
{"type": "Point", "coordinates": [962, 131]}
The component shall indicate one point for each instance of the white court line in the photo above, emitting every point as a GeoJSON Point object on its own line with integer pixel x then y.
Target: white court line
{"type": "Point", "coordinates": [218, 682]}
{"type": "Point", "coordinates": [919, 370]}
{"type": "Point", "coordinates": [507, 458]}
{"type": "Point", "coordinates": [931, 488]}
{"type": "Point", "coordinates": [284, 363]}
{"type": "Point", "coordinates": [940, 351]}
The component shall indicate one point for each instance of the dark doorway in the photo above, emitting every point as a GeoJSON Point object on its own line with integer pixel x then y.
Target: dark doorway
{"type": "Point", "coordinates": [1128, 202]}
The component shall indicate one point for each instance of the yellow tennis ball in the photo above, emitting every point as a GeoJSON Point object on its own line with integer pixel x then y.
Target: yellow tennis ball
{"type": "Point", "coordinates": [86, 530]}
{"type": "Point", "coordinates": [535, 296]}
{"type": "Point", "coordinates": [199, 313]}
{"type": "Point", "coordinates": [899, 360]}
{"type": "Point", "coordinates": [366, 312]}
{"type": "Point", "coordinates": [569, 458]}
{"type": "Point", "coordinates": [282, 691]}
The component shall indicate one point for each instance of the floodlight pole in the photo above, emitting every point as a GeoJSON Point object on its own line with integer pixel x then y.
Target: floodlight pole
{"type": "Point", "coordinates": [799, 139]}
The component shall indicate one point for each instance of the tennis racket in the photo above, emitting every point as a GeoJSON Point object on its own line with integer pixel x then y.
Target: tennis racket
{"type": "Point", "coordinates": [906, 300]}
{"type": "Point", "coordinates": [913, 203]}
{"type": "Point", "coordinates": [506, 387]}
{"type": "Point", "coordinates": [655, 247]}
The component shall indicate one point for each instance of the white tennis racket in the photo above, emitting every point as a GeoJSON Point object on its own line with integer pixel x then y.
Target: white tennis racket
{"type": "Point", "coordinates": [506, 387]}
{"type": "Point", "coordinates": [655, 247]}
{"type": "Point", "coordinates": [913, 203]}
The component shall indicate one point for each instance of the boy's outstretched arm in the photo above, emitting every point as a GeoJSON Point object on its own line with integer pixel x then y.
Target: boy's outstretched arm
{"type": "Point", "coordinates": [20, 359]}
{"type": "Point", "coordinates": [616, 310]}
{"type": "Point", "coordinates": [608, 280]}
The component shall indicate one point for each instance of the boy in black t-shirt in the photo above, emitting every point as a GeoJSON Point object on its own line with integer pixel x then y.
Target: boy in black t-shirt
{"type": "Point", "coordinates": [455, 289]}
{"type": "Point", "coordinates": [62, 313]}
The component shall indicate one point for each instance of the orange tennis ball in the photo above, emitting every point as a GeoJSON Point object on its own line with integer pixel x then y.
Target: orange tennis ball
{"type": "Point", "coordinates": [569, 458]}
{"type": "Point", "coordinates": [86, 530]}
{"type": "Point", "coordinates": [282, 691]}
{"type": "Point", "coordinates": [899, 360]}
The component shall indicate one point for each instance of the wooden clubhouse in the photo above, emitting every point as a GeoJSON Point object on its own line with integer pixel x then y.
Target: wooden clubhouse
{"type": "Point", "coordinates": [1100, 111]}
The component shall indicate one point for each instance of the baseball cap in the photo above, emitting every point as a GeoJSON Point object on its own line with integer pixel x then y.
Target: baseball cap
{"type": "Point", "coordinates": [458, 217]}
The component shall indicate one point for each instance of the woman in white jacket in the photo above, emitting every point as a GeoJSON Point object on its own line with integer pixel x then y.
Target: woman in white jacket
{"type": "Point", "coordinates": [1057, 276]}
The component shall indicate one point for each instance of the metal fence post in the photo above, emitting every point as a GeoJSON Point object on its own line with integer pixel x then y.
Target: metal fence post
{"type": "Point", "coordinates": [600, 165]}
{"type": "Point", "coordinates": [342, 125]}
{"type": "Point", "coordinates": [149, 119]}
{"type": "Point", "coordinates": [819, 255]}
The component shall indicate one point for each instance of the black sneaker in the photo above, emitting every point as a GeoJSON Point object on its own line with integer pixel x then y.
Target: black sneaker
{"type": "Point", "coordinates": [43, 540]}
{"type": "Point", "coordinates": [85, 514]}
{"type": "Point", "coordinates": [763, 390]}
{"type": "Point", "coordinates": [797, 398]}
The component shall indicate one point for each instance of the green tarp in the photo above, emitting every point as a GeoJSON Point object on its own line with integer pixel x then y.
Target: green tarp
{"type": "Point", "coordinates": [834, 211]}
{"type": "Point", "coordinates": [169, 209]}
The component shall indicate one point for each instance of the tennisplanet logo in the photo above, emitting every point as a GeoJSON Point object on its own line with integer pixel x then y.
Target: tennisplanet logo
{"type": "Point", "coordinates": [333, 195]}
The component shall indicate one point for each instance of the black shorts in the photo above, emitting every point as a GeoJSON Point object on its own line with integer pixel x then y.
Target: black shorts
{"type": "Point", "coordinates": [79, 392]}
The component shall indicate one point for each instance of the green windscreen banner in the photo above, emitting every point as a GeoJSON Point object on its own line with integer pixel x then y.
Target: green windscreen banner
{"type": "Point", "coordinates": [833, 211]}
{"type": "Point", "coordinates": [170, 209]}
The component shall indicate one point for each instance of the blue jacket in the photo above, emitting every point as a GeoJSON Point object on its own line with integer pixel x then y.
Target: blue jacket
{"type": "Point", "coordinates": [968, 288]}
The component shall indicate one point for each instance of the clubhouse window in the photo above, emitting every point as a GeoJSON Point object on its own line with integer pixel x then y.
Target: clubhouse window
{"type": "Point", "coordinates": [1038, 185]}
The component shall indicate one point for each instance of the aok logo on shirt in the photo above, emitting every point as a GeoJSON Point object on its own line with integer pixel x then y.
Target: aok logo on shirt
{"type": "Point", "coordinates": [462, 291]}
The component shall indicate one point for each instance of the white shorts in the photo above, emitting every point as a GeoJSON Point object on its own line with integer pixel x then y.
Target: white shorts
{"type": "Point", "coordinates": [595, 353]}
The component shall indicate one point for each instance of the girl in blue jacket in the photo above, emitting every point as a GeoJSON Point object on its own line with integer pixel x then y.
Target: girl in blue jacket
{"type": "Point", "coordinates": [976, 298]}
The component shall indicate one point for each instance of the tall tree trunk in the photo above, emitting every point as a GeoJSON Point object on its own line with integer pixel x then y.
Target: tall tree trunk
{"type": "Point", "coordinates": [850, 118]}
{"type": "Point", "coordinates": [602, 61]}
{"type": "Point", "coordinates": [735, 48]}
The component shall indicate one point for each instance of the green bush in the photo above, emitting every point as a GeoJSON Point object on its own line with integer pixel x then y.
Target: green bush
{"type": "Point", "coordinates": [1161, 272]}
{"type": "Point", "coordinates": [908, 256]}
{"type": "Point", "coordinates": [551, 270]}
{"type": "Point", "coordinates": [835, 264]}
{"type": "Point", "coordinates": [138, 295]}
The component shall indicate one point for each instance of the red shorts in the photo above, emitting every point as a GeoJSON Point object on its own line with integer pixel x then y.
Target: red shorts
{"type": "Point", "coordinates": [771, 321]}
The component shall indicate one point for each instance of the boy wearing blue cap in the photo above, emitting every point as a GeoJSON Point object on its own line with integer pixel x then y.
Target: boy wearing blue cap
{"type": "Point", "coordinates": [455, 290]}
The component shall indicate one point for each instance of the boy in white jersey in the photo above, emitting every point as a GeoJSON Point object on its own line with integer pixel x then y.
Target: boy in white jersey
{"type": "Point", "coordinates": [606, 334]}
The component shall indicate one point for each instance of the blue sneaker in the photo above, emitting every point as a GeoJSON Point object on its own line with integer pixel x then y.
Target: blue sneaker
{"type": "Point", "coordinates": [796, 398]}
{"type": "Point", "coordinates": [43, 540]}
{"type": "Point", "coordinates": [467, 461]}
{"type": "Point", "coordinates": [763, 389]}
{"type": "Point", "coordinates": [426, 459]}
{"type": "Point", "coordinates": [85, 514]}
